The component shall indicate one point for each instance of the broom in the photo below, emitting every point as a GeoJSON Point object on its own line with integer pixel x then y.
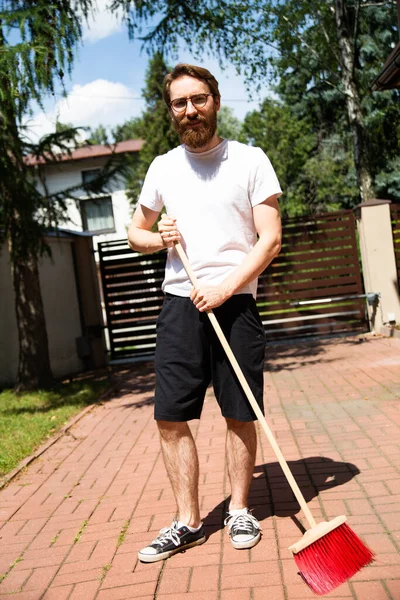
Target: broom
{"type": "Point", "coordinates": [329, 552]}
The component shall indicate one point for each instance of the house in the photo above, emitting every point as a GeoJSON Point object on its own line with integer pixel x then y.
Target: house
{"type": "Point", "coordinates": [389, 77]}
{"type": "Point", "coordinates": [107, 215]}
{"type": "Point", "coordinates": [71, 301]}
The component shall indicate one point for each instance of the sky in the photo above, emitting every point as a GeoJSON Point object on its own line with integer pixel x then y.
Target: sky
{"type": "Point", "coordinates": [108, 77]}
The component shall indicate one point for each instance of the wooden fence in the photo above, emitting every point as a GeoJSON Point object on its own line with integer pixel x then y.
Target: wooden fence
{"type": "Point", "coordinates": [310, 289]}
{"type": "Point", "coordinates": [299, 295]}
{"type": "Point", "coordinates": [395, 215]}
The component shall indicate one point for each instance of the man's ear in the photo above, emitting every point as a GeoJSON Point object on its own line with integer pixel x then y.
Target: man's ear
{"type": "Point", "coordinates": [217, 102]}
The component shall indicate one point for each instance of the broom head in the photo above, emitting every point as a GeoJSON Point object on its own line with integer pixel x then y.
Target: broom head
{"type": "Point", "coordinates": [329, 554]}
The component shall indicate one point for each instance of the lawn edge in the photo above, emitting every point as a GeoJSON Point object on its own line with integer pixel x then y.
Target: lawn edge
{"type": "Point", "coordinates": [5, 480]}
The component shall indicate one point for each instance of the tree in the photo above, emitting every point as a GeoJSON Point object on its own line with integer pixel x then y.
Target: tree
{"type": "Point", "coordinates": [324, 49]}
{"type": "Point", "coordinates": [61, 127]}
{"type": "Point", "coordinates": [98, 135]}
{"type": "Point", "coordinates": [288, 141]}
{"type": "Point", "coordinates": [316, 172]}
{"type": "Point", "coordinates": [154, 126]}
{"type": "Point", "coordinates": [130, 130]}
{"type": "Point", "coordinates": [229, 126]}
{"type": "Point", "coordinates": [37, 41]}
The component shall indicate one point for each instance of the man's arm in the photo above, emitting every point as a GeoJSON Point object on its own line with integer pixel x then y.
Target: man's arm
{"type": "Point", "coordinates": [268, 226]}
{"type": "Point", "coordinates": [142, 239]}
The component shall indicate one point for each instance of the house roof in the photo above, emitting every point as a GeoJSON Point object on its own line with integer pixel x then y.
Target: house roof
{"type": "Point", "coordinates": [389, 77]}
{"type": "Point", "coordinates": [87, 152]}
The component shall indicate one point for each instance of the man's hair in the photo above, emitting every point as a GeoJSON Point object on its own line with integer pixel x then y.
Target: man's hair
{"type": "Point", "coordinates": [183, 69]}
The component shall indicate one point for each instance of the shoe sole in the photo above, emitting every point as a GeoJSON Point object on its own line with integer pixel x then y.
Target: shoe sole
{"type": "Point", "coordinates": [150, 558]}
{"type": "Point", "coordinates": [244, 545]}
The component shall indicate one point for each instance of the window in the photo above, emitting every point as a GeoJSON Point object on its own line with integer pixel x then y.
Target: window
{"type": "Point", "coordinates": [89, 175]}
{"type": "Point", "coordinates": [97, 215]}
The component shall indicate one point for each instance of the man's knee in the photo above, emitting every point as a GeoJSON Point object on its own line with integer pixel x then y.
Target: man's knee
{"type": "Point", "coordinates": [240, 426]}
{"type": "Point", "coordinates": [172, 430]}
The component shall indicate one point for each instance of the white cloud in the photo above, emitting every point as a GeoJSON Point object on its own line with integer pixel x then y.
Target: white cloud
{"type": "Point", "coordinates": [102, 23]}
{"type": "Point", "coordinates": [98, 102]}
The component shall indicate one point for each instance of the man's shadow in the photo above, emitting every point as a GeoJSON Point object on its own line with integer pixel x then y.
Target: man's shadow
{"type": "Point", "coordinates": [270, 493]}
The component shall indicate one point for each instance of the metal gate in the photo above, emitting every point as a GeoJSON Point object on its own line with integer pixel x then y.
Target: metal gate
{"type": "Point", "coordinates": [310, 289]}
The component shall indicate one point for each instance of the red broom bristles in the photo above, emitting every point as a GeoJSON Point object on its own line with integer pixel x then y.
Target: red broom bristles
{"type": "Point", "coordinates": [331, 560]}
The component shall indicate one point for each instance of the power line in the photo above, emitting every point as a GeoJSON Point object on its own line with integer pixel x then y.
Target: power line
{"type": "Point", "coordinates": [136, 97]}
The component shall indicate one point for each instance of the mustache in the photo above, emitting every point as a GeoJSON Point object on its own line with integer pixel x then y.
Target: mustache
{"type": "Point", "coordinates": [186, 121]}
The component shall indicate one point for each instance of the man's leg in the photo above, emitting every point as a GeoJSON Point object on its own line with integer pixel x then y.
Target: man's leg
{"type": "Point", "coordinates": [182, 465]}
{"type": "Point", "coordinates": [241, 447]}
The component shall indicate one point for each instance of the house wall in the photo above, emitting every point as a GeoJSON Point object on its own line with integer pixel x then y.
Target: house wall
{"type": "Point", "coordinates": [67, 174]}
{"type": "Point", "coordinates": [61, 307]}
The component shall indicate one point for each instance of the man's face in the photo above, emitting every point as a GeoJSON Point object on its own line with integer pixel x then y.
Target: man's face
{"type": "Point", "coordinates": [195, 126]}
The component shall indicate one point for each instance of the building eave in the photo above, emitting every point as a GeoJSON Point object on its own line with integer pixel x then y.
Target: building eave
{"type": "Point", "coordinates": [389, 77]}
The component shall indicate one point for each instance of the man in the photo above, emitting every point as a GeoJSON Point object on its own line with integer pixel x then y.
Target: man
{"type": "Point", "coordinates": [219, 196]}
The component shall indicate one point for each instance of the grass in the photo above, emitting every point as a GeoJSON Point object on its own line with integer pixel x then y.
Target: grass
{"type": "Point", "coordinates": [122, 535]}
{"type": "Point", "coordinates": [27, 420]}
{"type": "Point", "coordinates": [82, 529]}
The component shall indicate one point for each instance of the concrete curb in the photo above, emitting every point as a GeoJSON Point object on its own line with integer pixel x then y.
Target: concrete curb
{"type": "Point", "coordinates": [5, 480]}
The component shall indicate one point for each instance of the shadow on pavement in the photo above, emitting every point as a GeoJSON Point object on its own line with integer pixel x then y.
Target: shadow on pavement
{"type": "Point", "coordinates": [140, 403]}
{"type": "Point", "coordinates": [138, 378]}
{"type": "Point", "coordinates": [271, 495]}
{"type": "Point", "coordinates": [287, 356]}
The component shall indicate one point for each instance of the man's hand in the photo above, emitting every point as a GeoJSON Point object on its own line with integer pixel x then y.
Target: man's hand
{"type": "Point", "coordinates": [207, 297]}
{"type": "Point", "coordinates": [168, 231]}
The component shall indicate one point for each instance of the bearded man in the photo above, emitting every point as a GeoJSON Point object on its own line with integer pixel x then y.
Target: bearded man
{"type": "Point", "coordinates": [221, 204]}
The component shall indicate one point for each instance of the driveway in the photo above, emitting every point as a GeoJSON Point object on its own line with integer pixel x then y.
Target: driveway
{"type": "Point", "coordinates": [71, 523]}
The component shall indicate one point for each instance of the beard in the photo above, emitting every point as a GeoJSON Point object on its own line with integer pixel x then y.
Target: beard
{"type": "Point", "coordinates": [200, 135]}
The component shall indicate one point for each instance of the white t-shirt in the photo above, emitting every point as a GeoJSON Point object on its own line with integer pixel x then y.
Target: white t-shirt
{"type": "Point", "coordinates": [211, 195]}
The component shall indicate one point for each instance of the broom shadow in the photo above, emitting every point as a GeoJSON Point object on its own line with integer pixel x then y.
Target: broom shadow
{"type": "Point", "coordinates": [270, 494]}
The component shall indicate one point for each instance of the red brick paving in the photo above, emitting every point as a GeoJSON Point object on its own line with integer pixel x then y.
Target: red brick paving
{"type": "Point", "coordinates": [72, 522]}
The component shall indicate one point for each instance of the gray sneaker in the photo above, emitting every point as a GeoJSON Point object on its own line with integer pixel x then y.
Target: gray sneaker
{"type": "Point", "coordinates": [244, 530]}
{"type": "Point", "coordinates": [171, 540]}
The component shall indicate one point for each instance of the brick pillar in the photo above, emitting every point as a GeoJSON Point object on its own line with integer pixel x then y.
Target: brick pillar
{"type": "Point", "coordinates": [378, 261]}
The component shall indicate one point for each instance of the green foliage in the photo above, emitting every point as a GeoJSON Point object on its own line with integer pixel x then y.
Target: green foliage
{"type": "Point", "coordinates": [154, 126]}
{"type": "Point", "coordinates": [316, 175]}
{"type": "Point", "coordinates": [229, 127]}
{"type": "Point", "coordinates": [41, 210]}
{"type": "Point", "coordinates": [296, 47]}
{"type": "Point", "coordinates": [60, 127]}
{"type": "Point", "coordinates": [130, 130]}
{"type": "Point", "coordinates": [37, 40]}
{"type": "Point", "coordinates": [388, 180]}
{"type": "Point", "coordinates": [98, 135]}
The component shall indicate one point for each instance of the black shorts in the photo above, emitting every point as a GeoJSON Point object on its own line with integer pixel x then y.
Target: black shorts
{"type": "Point", "coordinates": [189, 356]}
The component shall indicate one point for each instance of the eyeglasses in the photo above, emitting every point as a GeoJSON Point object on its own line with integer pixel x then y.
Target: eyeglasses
{"type": "Point", "coordinates": [198, 101]}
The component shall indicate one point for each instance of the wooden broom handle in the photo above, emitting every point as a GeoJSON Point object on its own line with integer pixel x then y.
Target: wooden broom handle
{"type": "Point", "coordinates": [246, 388]}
